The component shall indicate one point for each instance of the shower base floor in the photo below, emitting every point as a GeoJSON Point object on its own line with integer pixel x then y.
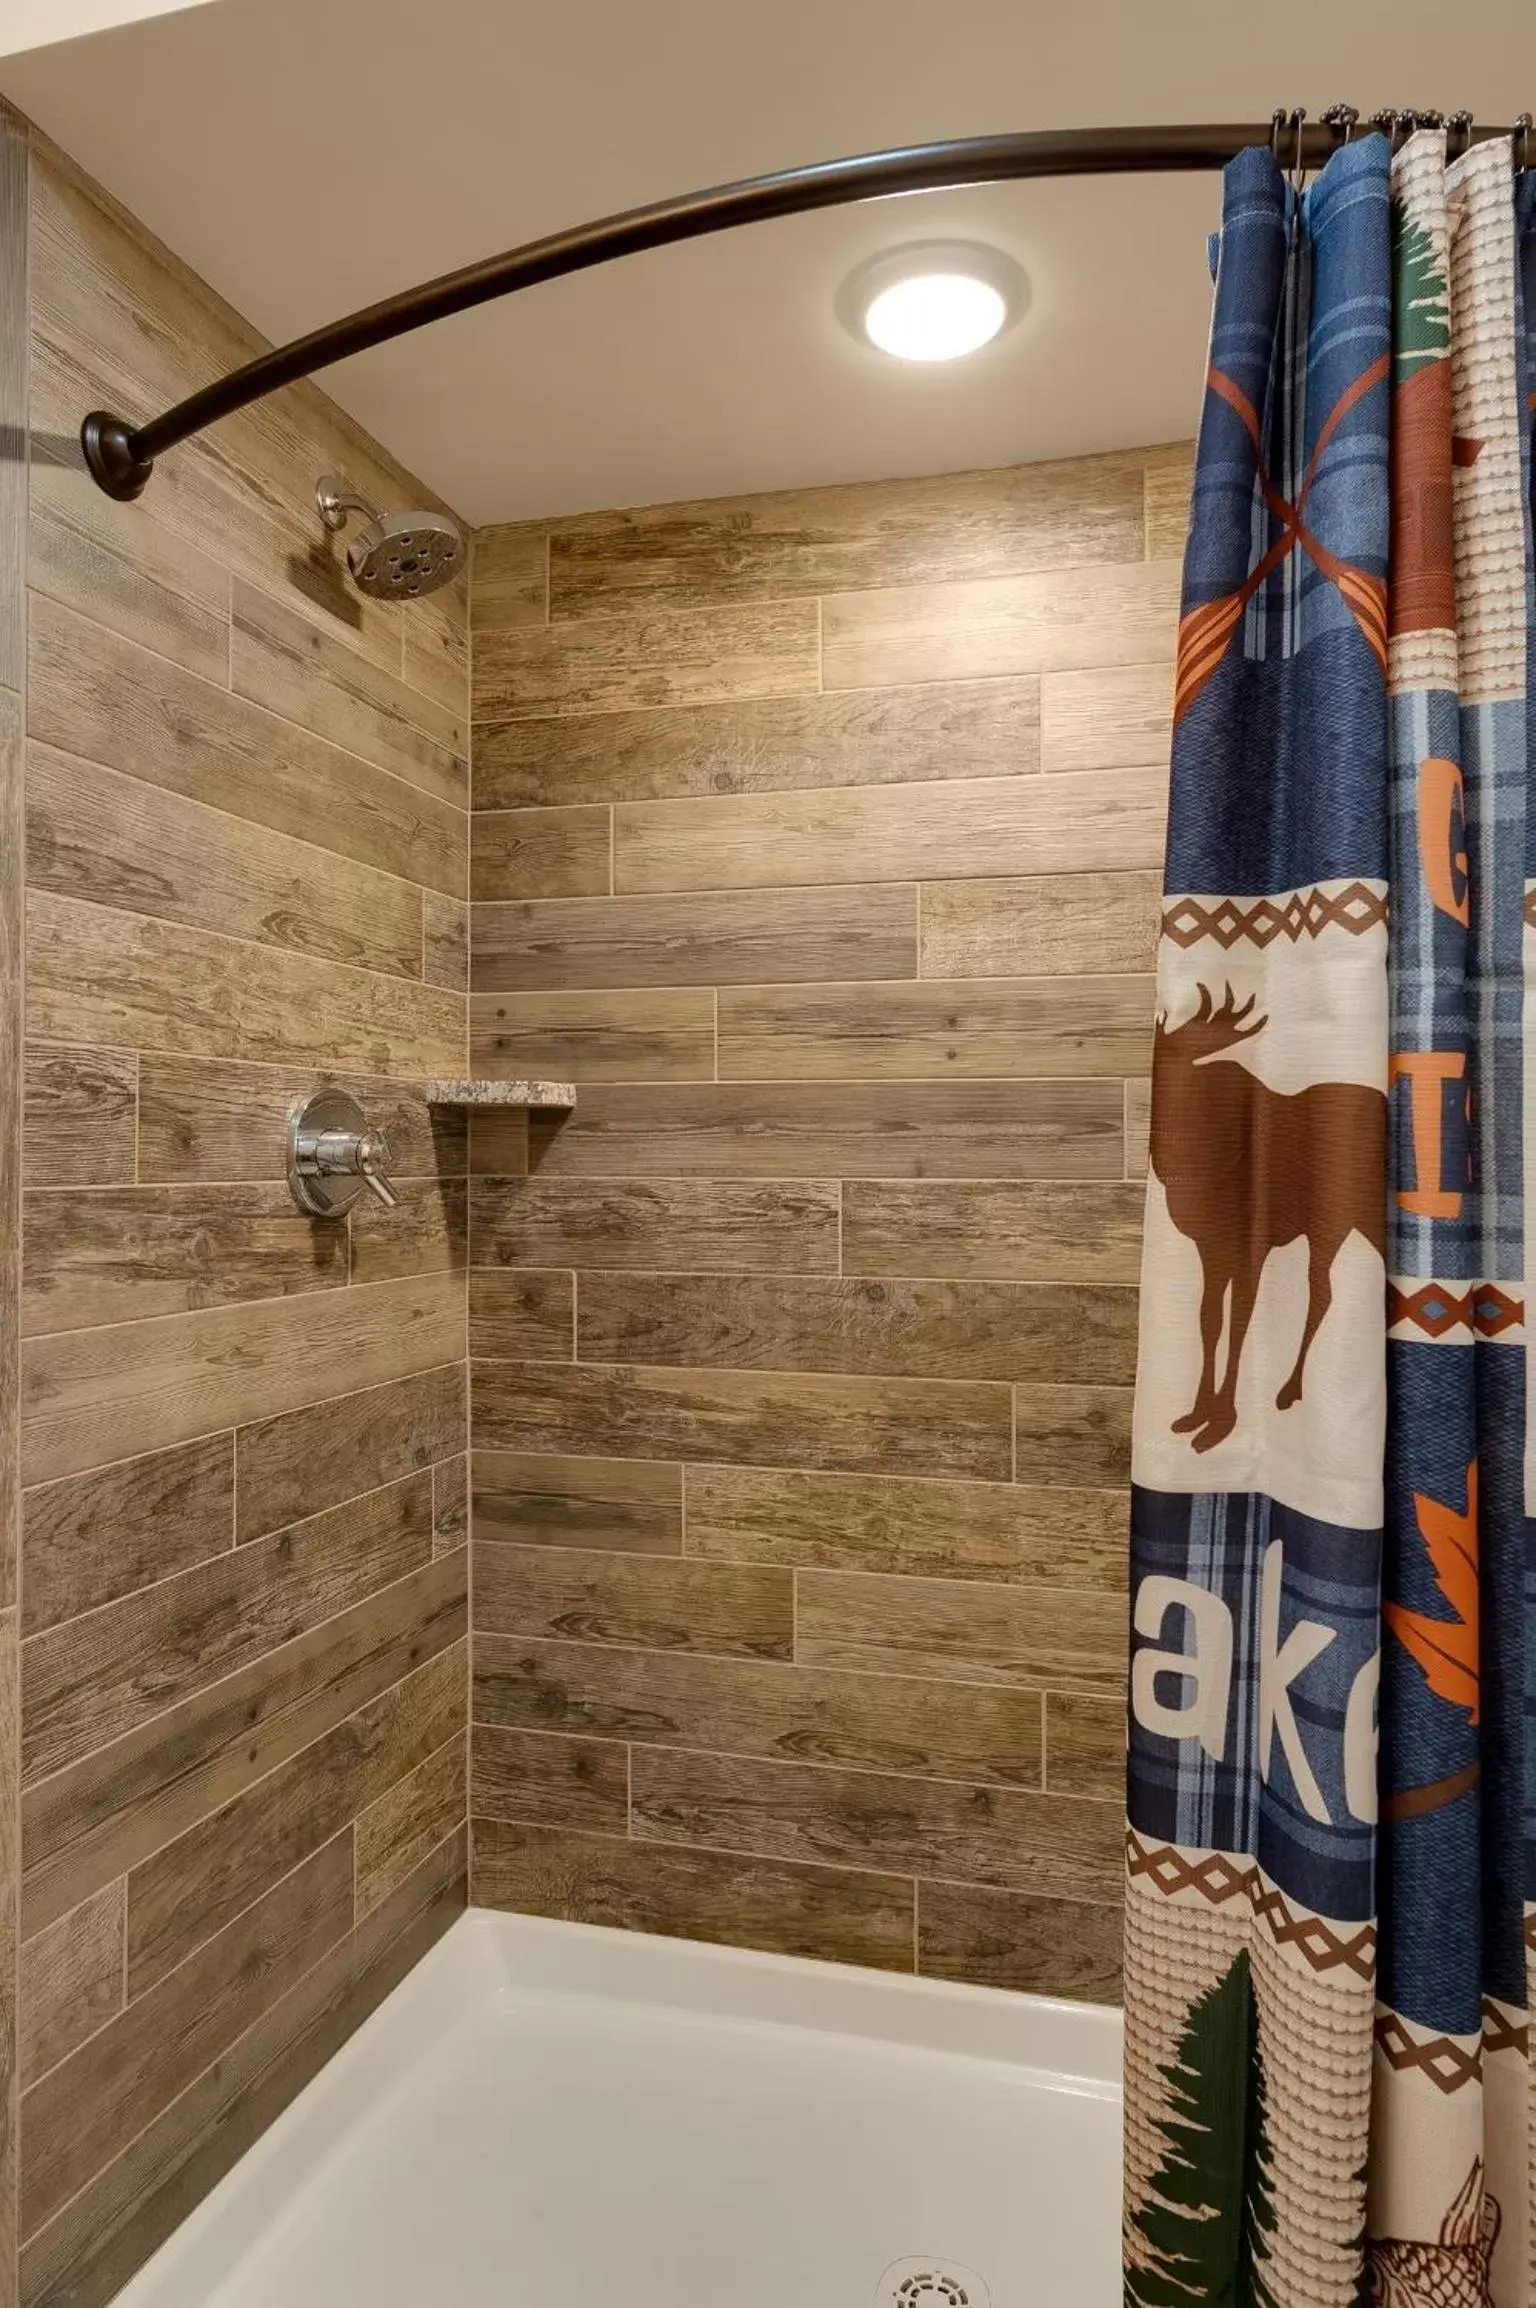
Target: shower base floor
{"type": "Point", "coordinates": [568, 2117]}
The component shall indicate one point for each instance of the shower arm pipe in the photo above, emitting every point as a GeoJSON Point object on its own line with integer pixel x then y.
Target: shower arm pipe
{"type": "Point", "coordinates": [121, 455]}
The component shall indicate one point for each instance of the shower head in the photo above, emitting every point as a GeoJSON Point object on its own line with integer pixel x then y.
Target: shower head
{"type": "Point", "coordinates": [398, 555]}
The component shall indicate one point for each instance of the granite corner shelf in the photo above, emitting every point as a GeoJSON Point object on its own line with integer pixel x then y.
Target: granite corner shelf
{"type": "Point", "coordinates": [534, 1097]}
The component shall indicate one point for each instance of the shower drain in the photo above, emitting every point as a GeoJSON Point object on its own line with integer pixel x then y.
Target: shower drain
{"type": "Point", "coordinates": [924, 2283]}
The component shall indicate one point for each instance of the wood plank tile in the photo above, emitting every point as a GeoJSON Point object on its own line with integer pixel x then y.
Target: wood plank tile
{"type": "Point", "coordinates": [509, 576]}
{"type": "Point", "coordinates": [655, 657]}
{"type": "Point", "coordinates": [753, 1707]}
{"type": "Point", "coordinates": [941, 729]}
{"type": "Point", "coordinates": [197, 1885]}
{"type": "Point", "coordinates": [770, 1418]}
{"type": "Point", "coordinates": [426, 1233]}
{"type": "Point", "coordinates": [802, 1812]}
{"type": "Point", "coordinates": [770, 1226]}
{"type": "Point", "coordinates": [130, 2207]}
{"type": "Point", "coordinates": [1041, 925]}
{"type": "Point", "coordinates": [1114, 717]}
{"type": "Point", "coordinates": [118, 564]}
{"type": "Point", "coordinates": [434, 645]}
{"type": "Point", "coordinates": [295, 1464]}
{"type": "Point", "coordinates": [831, 540]}
{"type": "Point", "coordinates": [91, 1680]}
{"type": "Point", "coordinates": [445, 941]}
{"type": "Point", "coordinates": [1170, 475]}
{"type": "Point", "coordinates": [1003, 1230]}
{"type": "Point", "coordinates": [71, 1982]}
{"type": "Point", "coordinates": [522, 1316]}
{"type": "Point", "coordinates": [1072, 1434]}
{"type": "Point", "coordinates": [80, 1116]}
{"type": "Point", "coordinates": [974, 1028]}
{"type": "Point", "coordinates": [499, 1140]}
{"type": "Point", "coordinates": [303, 672]}
{"type": "Point", "coordinates": [1011, 1939]}
{"type": "Point", "coordinates": [959, 1631]}
{"type": "Point", "coordinates": [115, 841]}
{"type": "Point", "coordinates": [13, 177]}
{"type": "Point", "coordinates": [701, 940]}
{"type": "Point", "coordinates": [549, 1782]}
{"type": "Point", "coordinates": [829, 1914]}
{"type": "Point", "coordinates": [1138, 1124]}
{"type": "Point", "coordinates": [209, 1119]}
{"type": "Point", "coordinates": [624, 1506]}
{"type": "Point", "coordinates": [661, 1034]}
{"type": "Point", "coordinates": [93, 1538]}
{"type": "Point", "coordinates": [88, 1824]}
{"type": "Point", "coordinates": [1084, 1745]}
{"type": "Point", "coordinates": [540, 853]}
{"type": "Point", "coordinates": [124, 1253]}
{"type": "Point", "coordinates": [450, 1503]}
{"type": "Point", "coordinates": [1063, 620]}
{"type": "Point", "coordinates": [892, 1329]}
{"type": "Point", "coordinates": [1111, 821]}
{"type": "Point", "coordinates": [93, 694]}
{"type": "Point", "coordinates": [880, 1523]}
{"type": "Point", "coordinates": [664, 1605]}
{"type": "Point", "coordinates": [399, 1833]}
{"type": "Point", "coordinates": [115, 977]}
{"type": "Point", "coordinates": [93, 2103]}
{"type": "Point", "coordinates": [841, 1128]}
{"type": "Point", "coordinates": [89, 1397]}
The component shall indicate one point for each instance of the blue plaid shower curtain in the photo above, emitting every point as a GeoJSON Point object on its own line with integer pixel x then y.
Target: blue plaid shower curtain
{"type": "Point", "coordinates": [1331, 1841]}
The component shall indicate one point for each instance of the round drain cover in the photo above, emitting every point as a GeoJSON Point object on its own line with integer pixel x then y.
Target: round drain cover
{"type": "Point", "coordinates": [924, 2282]}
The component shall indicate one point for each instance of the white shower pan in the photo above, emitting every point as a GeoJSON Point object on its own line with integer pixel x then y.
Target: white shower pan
{"type": "Point", "coordinates": [566, 2117]}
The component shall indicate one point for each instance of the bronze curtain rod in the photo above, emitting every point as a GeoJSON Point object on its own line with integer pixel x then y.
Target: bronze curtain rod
{"type": "Point", "coordinates": [121, 456]}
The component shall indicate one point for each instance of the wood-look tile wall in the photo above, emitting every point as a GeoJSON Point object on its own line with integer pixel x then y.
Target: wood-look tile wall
{"type": "Point", "coordinates": [817, 837]}
{"type": "Point", "coordinates": [243, 1658]}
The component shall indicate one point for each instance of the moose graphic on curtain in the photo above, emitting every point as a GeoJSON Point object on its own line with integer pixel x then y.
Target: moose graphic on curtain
{"type": "Point", "coordinates": [1331, 1815]}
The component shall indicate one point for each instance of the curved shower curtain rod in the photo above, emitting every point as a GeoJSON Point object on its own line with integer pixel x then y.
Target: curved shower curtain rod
{"type": "Point", "coordinates": [121, 456]}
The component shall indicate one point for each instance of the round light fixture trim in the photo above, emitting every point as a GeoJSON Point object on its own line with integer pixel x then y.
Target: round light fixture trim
{"type": "Point", "coordinates": [933, 300]}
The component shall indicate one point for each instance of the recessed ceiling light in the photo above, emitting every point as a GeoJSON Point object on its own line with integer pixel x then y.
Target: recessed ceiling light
{"type": "Point", "coordinates": [934, 300]}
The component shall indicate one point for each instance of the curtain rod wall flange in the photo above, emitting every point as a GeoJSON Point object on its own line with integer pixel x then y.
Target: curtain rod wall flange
{"type": "Point", "coordinates": [121, 456]}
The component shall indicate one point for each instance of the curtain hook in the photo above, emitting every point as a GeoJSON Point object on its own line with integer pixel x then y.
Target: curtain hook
{"type": "Point", "coordinates": [1458, 124]}
{"type": "Point", "coordinates": [1341, 118]}
{"type": "Point", "coordinates": [1298, 166]}
{"type": "Point", "coordinates": [1277, 120]}
{"type": "Point", "coordinates": [1522, 131]}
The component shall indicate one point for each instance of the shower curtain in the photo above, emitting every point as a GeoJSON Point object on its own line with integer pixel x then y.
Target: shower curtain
{"type": "Point", "coordinates": [1331, 1838]}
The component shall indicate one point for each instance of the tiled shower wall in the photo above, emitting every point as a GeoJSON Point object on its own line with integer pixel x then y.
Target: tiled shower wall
{"type": "Point", "coordinates": [242, 1578]}
{"type": "Point", "coordinates": [816, 836]}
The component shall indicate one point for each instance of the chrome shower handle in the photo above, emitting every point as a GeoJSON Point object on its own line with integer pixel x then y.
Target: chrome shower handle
{"type": "Point", "coordinates": [333, 1155]}
{"type": "Point", "coordinates": [373, 1165]}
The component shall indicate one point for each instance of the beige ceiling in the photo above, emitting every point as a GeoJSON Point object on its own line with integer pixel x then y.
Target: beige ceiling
{"type": "Point", "coordinates": [307, 156]}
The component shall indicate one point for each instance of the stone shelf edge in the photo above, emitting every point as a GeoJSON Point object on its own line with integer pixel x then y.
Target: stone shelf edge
{"type": "Point", "coordinates": [556, 1094]}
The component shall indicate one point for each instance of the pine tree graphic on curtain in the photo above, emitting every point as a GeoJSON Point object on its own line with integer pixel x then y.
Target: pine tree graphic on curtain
{"type": "Point", "coordinates": [1211, 2212]}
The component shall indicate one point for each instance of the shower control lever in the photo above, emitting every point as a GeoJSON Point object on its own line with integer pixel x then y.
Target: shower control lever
{"type": "Point", "coordinates": [333, 1156]}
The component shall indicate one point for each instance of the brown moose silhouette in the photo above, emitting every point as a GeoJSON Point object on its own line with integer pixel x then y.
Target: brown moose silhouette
{"type": "Point", "coordinates": [1248, 1169]}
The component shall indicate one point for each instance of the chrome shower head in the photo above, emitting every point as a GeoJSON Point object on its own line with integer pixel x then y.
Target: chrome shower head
{"type": "Point", "coordinates": [398, 555]}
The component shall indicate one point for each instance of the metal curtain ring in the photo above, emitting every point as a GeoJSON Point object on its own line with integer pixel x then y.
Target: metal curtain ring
{"type": "Point", "coordinates": [1341, 118]}
{"type": "Point", "coordinates": [1298, 147]}
{"type": "Point", "coordinates": [1458, 125]}
{"type": "Point", "coordinates": [1522, 131]}
{"type": "Point", "coordinates": [1277, 121]}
